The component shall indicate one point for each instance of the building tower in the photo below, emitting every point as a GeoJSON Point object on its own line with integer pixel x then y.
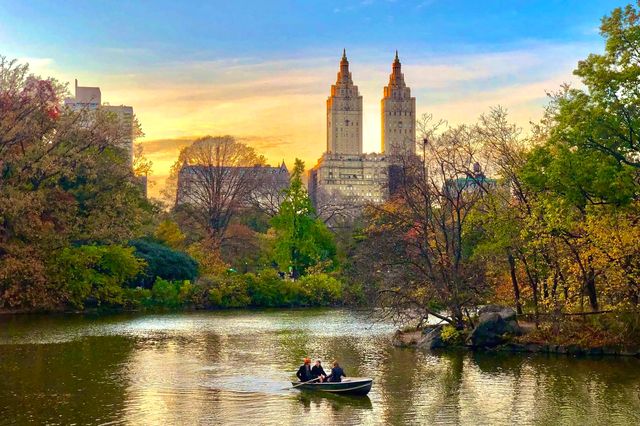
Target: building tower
{"type": "Point", "coordinates": [344, 114]}
{"type": "Point", "coordinates": [398, 115]}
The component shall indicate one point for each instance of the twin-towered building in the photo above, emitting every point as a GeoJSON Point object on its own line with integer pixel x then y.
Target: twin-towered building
{"type": "Point", "coordinates": [346, 175]}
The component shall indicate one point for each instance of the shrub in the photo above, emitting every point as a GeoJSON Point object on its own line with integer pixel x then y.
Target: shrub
{"type": "Point", "coordinates": [268, 289]}
{"type": "Point", "coordinates": [171, 294]}
{"type": "Point", "coordinates": [451, 336]}
{"type": "Point", "coordinates": [163, 262]}
{"type": "Point", "coordinates": [320, 290]}
{"type": "Point", "coordinates": [165, 293]}
{"type": "Point", "coordinates": [95, 272]}
{"type": "Point", "coordinates": [226, 291]}
{"type": "Point", "coordinates": [136, 297]}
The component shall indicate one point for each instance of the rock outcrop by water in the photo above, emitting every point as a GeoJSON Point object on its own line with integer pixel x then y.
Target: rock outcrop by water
{"type": "Point", "coordinates": [428, 338]}
{"type": "Point", "coordinates": [496, 325]}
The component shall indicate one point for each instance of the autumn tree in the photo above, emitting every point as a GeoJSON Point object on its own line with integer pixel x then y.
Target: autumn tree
{"type": "Point", "coordinates": [423, 232]}
{"type": "Point", "coordinates": [65, 179]}
{"type": "Point", "coordinates": [216, 177]}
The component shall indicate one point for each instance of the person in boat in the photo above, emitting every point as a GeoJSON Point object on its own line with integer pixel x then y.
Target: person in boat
{"type": "Point", "coordinates": [317, 372]}
{"type": "Point", "coordinates": [337, 373]}
{"type": "Point", "coordinates": [304, 372]}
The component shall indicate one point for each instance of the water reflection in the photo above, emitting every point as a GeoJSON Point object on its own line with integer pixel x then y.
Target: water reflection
{"type": "Point", "coordinates": [231, 367]}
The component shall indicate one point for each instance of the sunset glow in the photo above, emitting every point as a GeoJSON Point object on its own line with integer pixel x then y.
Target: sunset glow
{"type": "Point", "coordinates": [205, 76]}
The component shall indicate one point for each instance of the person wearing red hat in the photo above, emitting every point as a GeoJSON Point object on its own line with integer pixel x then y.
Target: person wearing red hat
{"type": "Point", "coordinates": [304, 372]}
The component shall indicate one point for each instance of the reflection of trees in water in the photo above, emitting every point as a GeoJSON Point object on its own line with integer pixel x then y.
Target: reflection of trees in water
{"type": "Point", "coordinates": [231, 367]}
{"type": "Point", "coordinates": [72, 382]}
{"type": "Point", "coordinates": [550, 389]}
{"type": "Point", "coordinates": [415, 384]}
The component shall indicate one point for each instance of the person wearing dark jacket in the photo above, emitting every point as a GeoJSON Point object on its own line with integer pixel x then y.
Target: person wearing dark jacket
{"type": "Point", "coordinates": [337, 373]}
{"type": "Point", "coordinates": [304, 372]}
{"type": "Point", "coordinates": [318, 371]}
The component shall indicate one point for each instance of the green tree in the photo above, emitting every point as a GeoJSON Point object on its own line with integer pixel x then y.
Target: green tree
{"type": "Point", "coordinates": [94, 272]}
{"type": "Point", "coordinates": [587, 167]}
{"type": "Point", "coordinates": [301, 239]}
{"type": "Point", "coordinates": [605, 115]}
{"type": "Point", "coordinates": [162, 262]}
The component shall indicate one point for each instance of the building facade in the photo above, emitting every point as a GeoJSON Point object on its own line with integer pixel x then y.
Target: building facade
{"type": "Point", "coordinates": [90, 98]}
{"type": "Point", "coordinates": [345, 176]}
{"type": "Point", "coordinates": [264, 183]}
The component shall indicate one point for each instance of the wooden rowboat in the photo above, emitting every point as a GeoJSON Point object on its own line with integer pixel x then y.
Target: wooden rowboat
{"type": "Point", "coordinates": [348, 386]}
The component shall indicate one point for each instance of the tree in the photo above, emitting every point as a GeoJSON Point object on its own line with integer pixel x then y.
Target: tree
{"type": "Point", "coordinates": [95, 272]}
{"type": "Point", "coordinates": [216, 177]}
{"type": "Point", "coordinates": [65, 180]}
{"type": "Point", "coordinates": [161, 261]}
{"type": "Point", "coordinates": [424, 235]}
{"type": "Point", "coordinates": [301, 240]}
{"type": "Point", "coordinates": [587, 167]}
{"type": "Point", "coordinates": [605, 116]}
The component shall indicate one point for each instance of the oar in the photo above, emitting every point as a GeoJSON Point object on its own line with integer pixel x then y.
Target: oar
{"type": "Point", "coordinates": [303, 383]}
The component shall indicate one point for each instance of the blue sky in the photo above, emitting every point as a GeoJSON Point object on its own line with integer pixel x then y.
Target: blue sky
{"type": "Point", "coordinates": [262, 70]}
{"type": "Point", "coordinates": [170, 30]}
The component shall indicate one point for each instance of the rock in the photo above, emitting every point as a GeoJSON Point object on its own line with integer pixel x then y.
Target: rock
{"type": "Point", "coordinates": [595, 352]}
{"type": "Point", "coordinates": [494, 325]}
{"type": "Point", "coordinates": [488, 333]}
{"type": "Point", "coordinates": [429, 338]}
{"type": "Point", "coordinates": [513, 328]}
{"type": "Point", "coordinates": [515, 347]}
{"type": "Point", "coordinates": [433, 338]}
{"type": "Point", "coordinates": [553, 349]}
{"type": "Point", "coordinates": [630, 351]}
{"type": "Point", "coordinates": [575, 350]}
{"type": "Point", "coordinates": [506, 313]}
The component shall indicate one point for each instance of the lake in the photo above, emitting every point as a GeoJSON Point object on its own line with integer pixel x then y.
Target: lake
{"type": "Point", "coordinates": [234, 367]}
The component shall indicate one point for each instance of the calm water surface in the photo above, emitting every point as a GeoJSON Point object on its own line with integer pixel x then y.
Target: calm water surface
{"type": "Point", "coordinates": [233, 368]}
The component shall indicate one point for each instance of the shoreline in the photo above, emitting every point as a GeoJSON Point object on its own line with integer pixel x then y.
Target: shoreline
{"type": "Point", "coordinates": [416, 339]}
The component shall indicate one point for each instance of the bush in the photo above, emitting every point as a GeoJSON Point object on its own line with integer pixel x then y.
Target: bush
{"type": "Point", "coordinates": [265, 290]}
{"type": "Point", "coordinates": [95, 273]}
{"type": "Point", "coordinates": [138, 297]}
{"type": "Point", "coordinates": [226, 291]}
{"type": "Point", "coordinates": [268, 289]}
{"type": "Point", "coordinates": [320, 290]}
{"type": "Point", "coordinates": [451, 336]}
{"type": "Point", "coordinates": [171, 294]}
{"type": "Point", "coordinates": [165, 293]}
{"type": "Point", "coordinates": [163, 262]}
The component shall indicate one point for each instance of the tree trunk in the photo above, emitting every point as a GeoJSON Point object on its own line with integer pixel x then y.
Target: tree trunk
{"type": "Point", "coordinates": [514, 281]}
{"type": "Point", "coordinates": [590, 287]}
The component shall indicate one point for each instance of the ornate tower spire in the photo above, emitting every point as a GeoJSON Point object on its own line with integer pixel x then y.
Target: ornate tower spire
{"type": "Point", "coordinates": [344, 67]}
{"type": "Point", "coordinates": [396, 76]}
{"type": "Point", "coordinates": [398, 114]}
{"type": "Point", "coordinates": [344, 114]}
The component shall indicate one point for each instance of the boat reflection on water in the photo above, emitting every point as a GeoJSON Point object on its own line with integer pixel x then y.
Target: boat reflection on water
{"type": "Point", "coordinates": [335, 402]}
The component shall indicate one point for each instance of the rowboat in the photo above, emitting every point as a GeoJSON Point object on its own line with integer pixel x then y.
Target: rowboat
{"type": "Point", "coordinates": [348, 386]}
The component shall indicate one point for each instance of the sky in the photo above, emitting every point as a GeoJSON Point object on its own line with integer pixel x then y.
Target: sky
{"type": "Point", "coordinates": [262, 70]}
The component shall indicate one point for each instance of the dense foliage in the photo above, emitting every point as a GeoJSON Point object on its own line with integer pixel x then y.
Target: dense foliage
{"type": "Point", "coordinates": [302, 240]}
{"type": "Point", "coordinates": [555, 234]}
{"type": "Point", "coordinates": [163, 262]}
{"type": "Point", "coordinates": [65, 183]}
